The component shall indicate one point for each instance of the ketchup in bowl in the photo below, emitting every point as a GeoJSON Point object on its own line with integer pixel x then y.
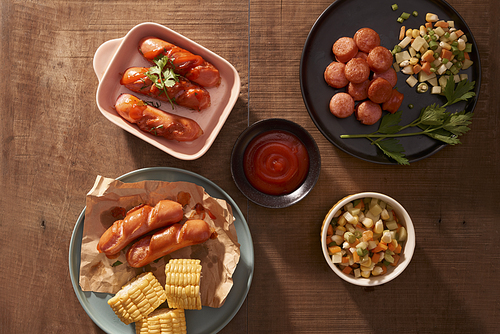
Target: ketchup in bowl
{"type": "Point", "coordinates": [276, 162]}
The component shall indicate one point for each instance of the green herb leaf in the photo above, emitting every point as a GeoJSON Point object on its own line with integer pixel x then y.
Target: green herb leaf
{"type": "Point", "coordinates": [390, 123]}
{"type": "Point", "coordinates": [458, 123]}
{"type": "Point", "coordinates": [162, 76]}
{"type": "Point", "coordinates": [432, 115]}
{"type": "Point", "coordinates": [393, 149]}
{"type": "Point", "coordinates": [461, 93]}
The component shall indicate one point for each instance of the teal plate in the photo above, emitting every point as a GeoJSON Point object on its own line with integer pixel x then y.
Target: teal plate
{"type": "Point", "coordinates": [206, 320]}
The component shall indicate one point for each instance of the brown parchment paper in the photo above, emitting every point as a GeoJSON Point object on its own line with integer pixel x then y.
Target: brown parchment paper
{"type": "Point", "coordinates": [219, 256]}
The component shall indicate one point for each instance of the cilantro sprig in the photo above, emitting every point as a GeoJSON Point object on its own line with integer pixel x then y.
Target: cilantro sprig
{"type": "Point", "coordinates": [162, 75]}
{"type": "Point", "coordinates": [433, 122]}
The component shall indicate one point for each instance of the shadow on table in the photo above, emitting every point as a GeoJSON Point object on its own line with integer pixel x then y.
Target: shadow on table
{"type": "Point", "coordinates": [418, 301]}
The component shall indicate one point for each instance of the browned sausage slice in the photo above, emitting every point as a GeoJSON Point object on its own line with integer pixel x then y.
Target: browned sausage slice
{"type": "Point", "coordinates": [379, 59]}
{"type": "Point", "coordinates": [344, 49]}
{"type": "Point", "coordinates": [358, 91]}
{"type": "Point", "coordinates": [335, 75]}
{"type": "Point", "coordinates": [366, 39]}
{"type": "Point", "coordinates": [357, 70]}
{"type": "Point", "coordinates": [368, 113]}
{"type": "Point", "coordinates": [380, 90]}
{"type": "Point", "coordinates": [389, 75]}
{"type": "Point", "coordinates": [342, 105]}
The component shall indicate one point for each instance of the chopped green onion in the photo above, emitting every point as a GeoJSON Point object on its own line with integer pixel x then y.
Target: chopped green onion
{"type": "Point", "coordinates": [445, 60]}
{"type": "Point", "coordinates": [468, 47]}
{"type": "Point", "coordinates": [400, 20]}
{"type": "Point", "coordinates": [433, 45]}
{"type": "Point", "coordinates": [415, 13]}
{"type": "Point", "coordinates": [446, 35]}
{"type": "Point", "coordinates": [405, 15]}
{"type": "Point", "coordinates": [395, 6]}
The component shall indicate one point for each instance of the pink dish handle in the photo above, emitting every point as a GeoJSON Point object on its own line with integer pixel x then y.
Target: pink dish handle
{"type": "Point", "coordinates": [103, 56]}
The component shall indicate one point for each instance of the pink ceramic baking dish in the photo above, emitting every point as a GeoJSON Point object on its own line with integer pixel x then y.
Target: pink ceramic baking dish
{"type": "Point", "coordinates": [114, 56]}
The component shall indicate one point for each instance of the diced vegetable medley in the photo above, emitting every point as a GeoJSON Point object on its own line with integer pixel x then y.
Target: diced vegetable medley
{"type": "Point", "coordinates": [365, 237]}
{"type": "Point", "coordinates": [431, 53]}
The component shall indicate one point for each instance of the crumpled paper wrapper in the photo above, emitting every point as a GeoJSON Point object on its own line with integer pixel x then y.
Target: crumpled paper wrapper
{"type": "Point", "coordinates": [219, 256]}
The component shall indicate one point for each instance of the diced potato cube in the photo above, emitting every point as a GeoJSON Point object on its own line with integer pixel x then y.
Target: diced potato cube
{"type": "Point", "coordinates": [402, 56]}
{"type": "Point", "coordinates": [412, 81]}
{"type": "Point", "coordinates": [467, 63]}
{"type": "Point", "coordinates": [433, 81]}
{"type": "Point", "coordinates": [404, 43]}
{"type": "Point", "coordinates": [418, 43]}
{"type": "Point", "coordinates": [464, 76]}
{"type": "Point", "coordinates": [422, 76]}
{"type": "Point", "coordinates": [436, 90]}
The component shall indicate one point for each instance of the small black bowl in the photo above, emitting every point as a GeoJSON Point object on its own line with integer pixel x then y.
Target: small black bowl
{"type": "Point", "coordinates": [260, 198]}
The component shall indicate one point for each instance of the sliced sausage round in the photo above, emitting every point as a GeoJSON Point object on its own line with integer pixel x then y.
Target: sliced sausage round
{"type": "Point", "coordinates": [368, 113]}
{"type": "Point", "coordinates": [389, 75]}
{"type": "Point", "coordinates": [344, 49]}
{"type": "Point", "coordinates": [357, 70]}
{"type": "Point", "coordinates": [342, 105]}
{"type": "Point", "coordinates": [361, 54]}
{"type": "Point", "coordinates": [335, 75]}
{"type": "Point", "coordinates": [358, 91]}
{"type": "Point", "coordinates": [379, 59]}
{"type": "Point", "coordinates": [392, 105]}
{"type": "Point", "coordinates": [379, 91]}
{"type": "Point", "coordinates": [366, 39]}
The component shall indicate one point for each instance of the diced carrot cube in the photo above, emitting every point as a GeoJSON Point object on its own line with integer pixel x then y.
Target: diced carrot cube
{"type": "Point", "coordinates": [384, 268]}
{"type": "Point", "coordinates": [355, 257]}
{"type": "Point", "coordinates": [396, 260]}
{"type": "Point", "coordinates": [466, 55]}
{"type": "Point", "coordinates": [376, 258]}
{"type": "Point", "coordinates": [459, 33]}
{"type": "Point", "coordinates": [360, 205]}
{"type": "Point", "coordinates": [428, 24]}
{"type": "Point", "coordinates": [446, 54]}
{"type": "Point", "coordinates": [392, 247]}
{"type": "Point", "coordinates": [329, 230]}
{"type": "Point", "coordinates": [442, 24]}
{"type": "Point", "coordinates": [345, 259]}
{"type": "Point", "coordinates": [398, 249]}
{"type": "Point", "coordinates": [426, 67]}
{"type": "Point", "coordinates": [334, 249]}
{"type": "Point", "coordinates": [382, 245]}
{"type": "Point", "coordinates": [347, 270]}
{"type": "Point", "coordinates": [328, 240]}
{"type": "Point", "coordinates": [416, 68]}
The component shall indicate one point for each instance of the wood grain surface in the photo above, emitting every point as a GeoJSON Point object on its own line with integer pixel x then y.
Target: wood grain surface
{"type": "Point", "coordinates": [55, 141]}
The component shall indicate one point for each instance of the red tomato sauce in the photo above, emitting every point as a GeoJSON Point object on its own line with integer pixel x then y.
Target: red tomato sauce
{"type": "Point", "coordinates": [276, 162]}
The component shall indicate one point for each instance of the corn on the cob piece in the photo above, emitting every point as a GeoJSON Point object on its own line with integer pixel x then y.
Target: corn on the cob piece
{"type": "Point", "coordinates": [182, 284]}
{"type": "Point", "coordinates": [162, 321]}
{"type": "Point", "coordinates": [138, 298]}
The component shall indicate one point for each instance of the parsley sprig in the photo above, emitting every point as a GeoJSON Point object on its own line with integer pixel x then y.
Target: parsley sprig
{"type": "Point", "coordinates": [433, 122]}
{"type": "Point", "coordinates": [162, 75]}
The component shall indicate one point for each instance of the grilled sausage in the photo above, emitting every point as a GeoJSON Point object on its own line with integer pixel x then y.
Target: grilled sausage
{"type": "Point", "coordinates": [183, 92]}
{"type": "Point", "coordinates": [155, 121]}
{"type": "Point", "coordinates": [168, 240]}
{"type": "Point", "coordinates": [185, 63]}
{"type": "Point", "coordinates": [137, 222]}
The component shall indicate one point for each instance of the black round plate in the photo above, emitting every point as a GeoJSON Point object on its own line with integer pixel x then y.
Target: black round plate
{"type": "Point", "coordinates": [238, 172]}
{"type": "Point", "coordinates": [344, 18]}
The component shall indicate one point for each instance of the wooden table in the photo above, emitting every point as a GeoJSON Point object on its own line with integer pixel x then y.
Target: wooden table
{"type": "Point", "coordinates": [55, 142]}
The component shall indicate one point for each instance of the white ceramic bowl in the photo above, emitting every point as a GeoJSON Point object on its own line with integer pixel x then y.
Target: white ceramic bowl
{"type": "Point", "coordinates": [115, 56]}
{"type": "Point", "coordinates": [408, 247]}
